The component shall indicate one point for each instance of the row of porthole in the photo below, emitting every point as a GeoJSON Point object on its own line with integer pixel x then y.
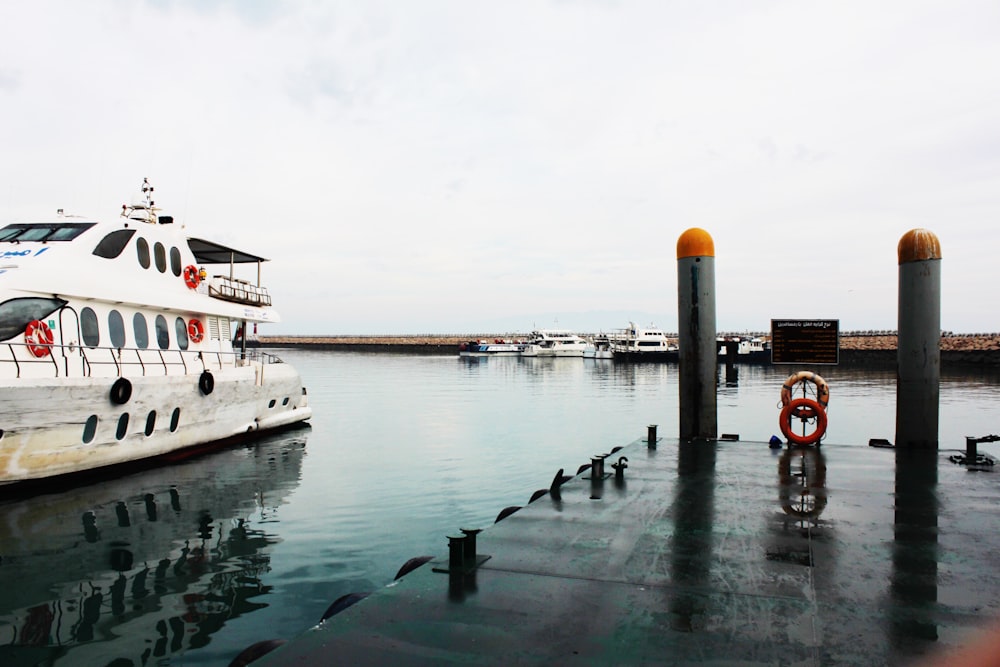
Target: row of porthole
{"type": "Point", "coordinates": [159, 255]}
{"type": "Point", "coordinates": [90, 427]}
{"type": "Point", "coordinates": [91, 332]}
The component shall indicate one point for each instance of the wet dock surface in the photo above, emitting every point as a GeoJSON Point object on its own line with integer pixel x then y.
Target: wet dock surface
{"type": "Point", "coordinates": [704, 553]}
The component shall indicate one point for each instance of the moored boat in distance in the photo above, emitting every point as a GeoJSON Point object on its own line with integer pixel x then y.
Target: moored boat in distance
{"type": "Point", "coordinates": [499, 347]}
{"type": "Point", "coordinates": [117, 345]}
{"type": "Point", "coordinates": [749, 349]}
{"type": "Point", "coordinates": [599, 348]}
{"type": "Point", "coordinates": [554, 343]}
{"type": "Point", "coordinates": [643, 344]}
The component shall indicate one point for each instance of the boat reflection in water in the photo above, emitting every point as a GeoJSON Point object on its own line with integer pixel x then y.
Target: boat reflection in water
{"type": "Point", "coordinates": [133, 569]}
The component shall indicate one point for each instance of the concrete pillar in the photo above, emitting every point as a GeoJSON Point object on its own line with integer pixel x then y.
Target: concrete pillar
{"type": "Point", "coordinates": [698, 358]}
{"type": "Point", "coordinates": [918, 368]}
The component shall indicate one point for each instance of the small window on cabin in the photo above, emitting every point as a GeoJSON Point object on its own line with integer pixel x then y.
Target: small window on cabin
{"type": "Point", "coordinates": [160, 255]}
{"type": "Point", "coordinates": [112, 245]}
{"type": "Point", "coordinates": [180, 328]}
{"type": "Point", "coordinates": [15, 314]}
{"type": "Point", "coordinates": [175, 261]}
{"type": "Point", "coordinates": [90, 429]}
{"type": "Point", "coordinates": [150, 422]}
{"type": "Point", "coordinates": [122, 430]}
{"type": "Point", "coordinates": [142, 250]}
{"type": "Point", "coordinates": [140, 330]}
{"type": "Point", "coordinates": [162, 332]}
{"type": "Point", "coordinates": [54, 231]}
{"type": "Point", "coordinates": [116, 329]}
{"type": "Point", "coordinates": [175, 419]}
{"type": "Point", "coordinates": [89, 327]}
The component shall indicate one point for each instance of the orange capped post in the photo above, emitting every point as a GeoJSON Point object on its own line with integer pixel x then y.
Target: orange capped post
{"type": "Point", "coordinates": [695, 242]}
{"type": "Point", "coordinates": [697, 356]}
{"type": "Point", "coordinates": [918, 347]}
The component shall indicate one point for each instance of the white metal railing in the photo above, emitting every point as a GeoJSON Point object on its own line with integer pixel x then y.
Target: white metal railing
{"type": "Point", "coordinates": [83, 361]}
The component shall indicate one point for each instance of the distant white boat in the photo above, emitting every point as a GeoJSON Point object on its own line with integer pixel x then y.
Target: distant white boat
{"type": "Point", "coordinates": [554, 343]}
{"type": "Point", "coordinates": [599, 348]}
{"type": "Point", "coordinates": [643, 343]}
{"type": "Point", "coordinates": [496, 348]}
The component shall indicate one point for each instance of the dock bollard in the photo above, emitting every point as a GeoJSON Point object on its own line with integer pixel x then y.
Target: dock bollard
{"type": "Point", "coordinates": [456, 553]}
{"type": "Point", "coordinates": [597, 467]}
{"type": "Point", "coordinates": [651, 436]}
{"type": "Point", "coordinates": [469, 551]}
{"type": "Point", "coordinates": [918, 347]}
{"type": "Point", "coordinates": [698, 356]}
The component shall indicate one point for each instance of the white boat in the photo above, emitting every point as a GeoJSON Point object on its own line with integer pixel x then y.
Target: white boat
{"type": "Point", "coordinates": [554, 343]}
{"type": "Point", "coordinates": [497, 348]}
{"type": "Point", "coordinates": [748, 348]}
{"type": "Point", "coordinates": [116, 345]}
{"type": "Point", "coordinates": [644, 344]}
{"type": "Point", "coordinates": [599, 348]}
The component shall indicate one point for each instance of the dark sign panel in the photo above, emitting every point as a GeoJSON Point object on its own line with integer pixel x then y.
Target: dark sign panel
{"type": "Point", "coordinates": [813, 342]}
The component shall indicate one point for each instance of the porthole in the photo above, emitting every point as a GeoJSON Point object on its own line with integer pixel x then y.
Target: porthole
{"type": "Point", "coordinates": [160, 256]}
{"type": "Point", "coordinates": [180, 328]}
{"type": "Point", "coordinates": [89, 327]}
{"type": "Point", "coordinates": [162, 333]}
{"type": "Point", "coordinates": [150, 422]}
{"type": "Point", "coordinates": [175, 419]}
{"type": "Point", "coordinates": [285, 401]}
{"type": "Point", "coordinates": [90, 429]}
{"type": "Point", "coordinates": [271, 404]}
{"type": "Point", "coordinates": [116, 329]}
{"type": "Point", "coordinates": [122, 426]}
{"type": "Point", "coordinates": [142, 249]}
{"type": "Point", "coordinates": [175, 261]}
{"type": "Point", "coordinates": [140, 331]}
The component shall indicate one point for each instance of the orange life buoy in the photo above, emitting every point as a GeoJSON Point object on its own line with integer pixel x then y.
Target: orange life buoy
{"type": "Point", "coordinates": [804, 409]}
{"type": "Point", "coordinates": [822, 388]}
{"type": "Point", "coordinates": [191, 276]}
{"type": "Point", "coordinates": [196, 332]}
{"type": "Point", "coordinates": [38, 337]}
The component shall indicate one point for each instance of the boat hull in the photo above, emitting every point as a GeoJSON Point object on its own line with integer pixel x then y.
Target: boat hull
{"type": "Point", "coordinates": [63, 426]}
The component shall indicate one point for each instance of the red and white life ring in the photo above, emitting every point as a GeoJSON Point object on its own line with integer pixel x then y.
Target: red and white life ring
{"type": "Point", "coordinates": [196, 332]}
{"type": "Point", "coordinates": [191, 276]}
{"type": "Point", "coordinates": [805, 409]}
{"type": "Point", "coordinates": [38, 337]}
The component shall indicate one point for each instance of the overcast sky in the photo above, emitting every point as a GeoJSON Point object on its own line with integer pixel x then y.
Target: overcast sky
{"type": "Point", "coordinates": [462, 166]}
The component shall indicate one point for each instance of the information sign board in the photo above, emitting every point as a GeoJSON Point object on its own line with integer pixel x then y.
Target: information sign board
{"type": "Point", "coordinates": [813, 342]}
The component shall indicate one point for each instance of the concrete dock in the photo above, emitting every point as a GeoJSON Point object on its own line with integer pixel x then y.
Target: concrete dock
{"type": "Point", "coordinates": [716, 553]}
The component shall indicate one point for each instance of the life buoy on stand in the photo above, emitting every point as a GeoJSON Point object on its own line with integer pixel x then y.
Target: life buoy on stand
{"type": "Point", "coordinates": [191, 276]}
{"type": "Point", "coordinates": [804, 409]}
{"type": "Point", "coordinates": [196, 332]}
{"type": "Point", "coordinates": [38, 337]}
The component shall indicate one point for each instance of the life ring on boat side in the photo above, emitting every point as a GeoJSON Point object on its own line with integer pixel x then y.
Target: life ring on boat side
{"type": "Point", "coordinates": [196, 332]}
{"type": "Point", "coordinates": [206, 383]}
{"type": "Point", "coordinates": [191, 276]}
{"type": "Point", "coordinates": [804, 409]}
{"type": "Point", "coordinates": [121, 391]}
{"type": "Point", "coordinates": [822, 388]}
{"type": "Point", "coordinates": [38, 338]}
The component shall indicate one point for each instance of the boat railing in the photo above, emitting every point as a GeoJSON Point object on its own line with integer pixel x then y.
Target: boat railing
{"type": "Point", "coordinates": [83, 361]}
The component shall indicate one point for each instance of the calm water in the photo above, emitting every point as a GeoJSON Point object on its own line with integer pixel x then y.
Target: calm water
{"type": "Point", "coordinates": [189, 564]}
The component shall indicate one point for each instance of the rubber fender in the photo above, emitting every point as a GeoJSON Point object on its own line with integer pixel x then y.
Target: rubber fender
{"type": "Point", "coordinates": [121, 391]}
{"type": "Point", "coordinates": [206, 383]}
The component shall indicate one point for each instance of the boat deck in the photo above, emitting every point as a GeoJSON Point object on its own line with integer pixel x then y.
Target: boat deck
{"type": "Point", "coordinates": [705, 553]}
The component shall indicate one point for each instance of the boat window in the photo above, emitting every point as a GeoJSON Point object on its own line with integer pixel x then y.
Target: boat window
{"type": "Point", "coordinates": [15, 314]}
{"type": "Point", "coordinates": [160, 254]}
{"type": "Point", "coordinates": [122, 426]}
{"type": "Point", "coordinates": [140, 331]}
{"type": "Point", "coordinates": [180, 328]}
{"type": "Point", "coordinates": [150, 422]}
{"type": "Point", "coordinates": [90, 429]}
{"type": "Point", "coordinates": [112, 245]}
{"type": "Point", "coordinates": [162, 332]}
{"type": "Point", "coordinates": [175, 261]}
{"type": "Point", "coordinates": [54, 231]}
{"type": "Point", "coordinates": [89, 327]}
{"type": "Point", "coordinates": [142, 249]}
{"type": "Point", "coordinates": [175, 419]}
{"type": "Point", "coordinates": [116, 329]}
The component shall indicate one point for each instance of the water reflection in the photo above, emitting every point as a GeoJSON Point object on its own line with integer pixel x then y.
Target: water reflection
{"type": "Point", "coordinates": [143, 566]}
{"type": "Point", "coordinates": [914, 583]}
{"type": "Point", "coordinates": [694, 514]}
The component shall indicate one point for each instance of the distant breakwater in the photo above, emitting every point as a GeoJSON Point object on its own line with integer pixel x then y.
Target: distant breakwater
{"type": "Point", "coordinates": [956, 349]}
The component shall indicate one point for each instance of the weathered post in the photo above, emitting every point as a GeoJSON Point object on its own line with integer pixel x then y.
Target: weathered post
{"type": "Point", "coordinates": [698, 357]}
{"type": "Point", "coordinates": [918, 372]}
